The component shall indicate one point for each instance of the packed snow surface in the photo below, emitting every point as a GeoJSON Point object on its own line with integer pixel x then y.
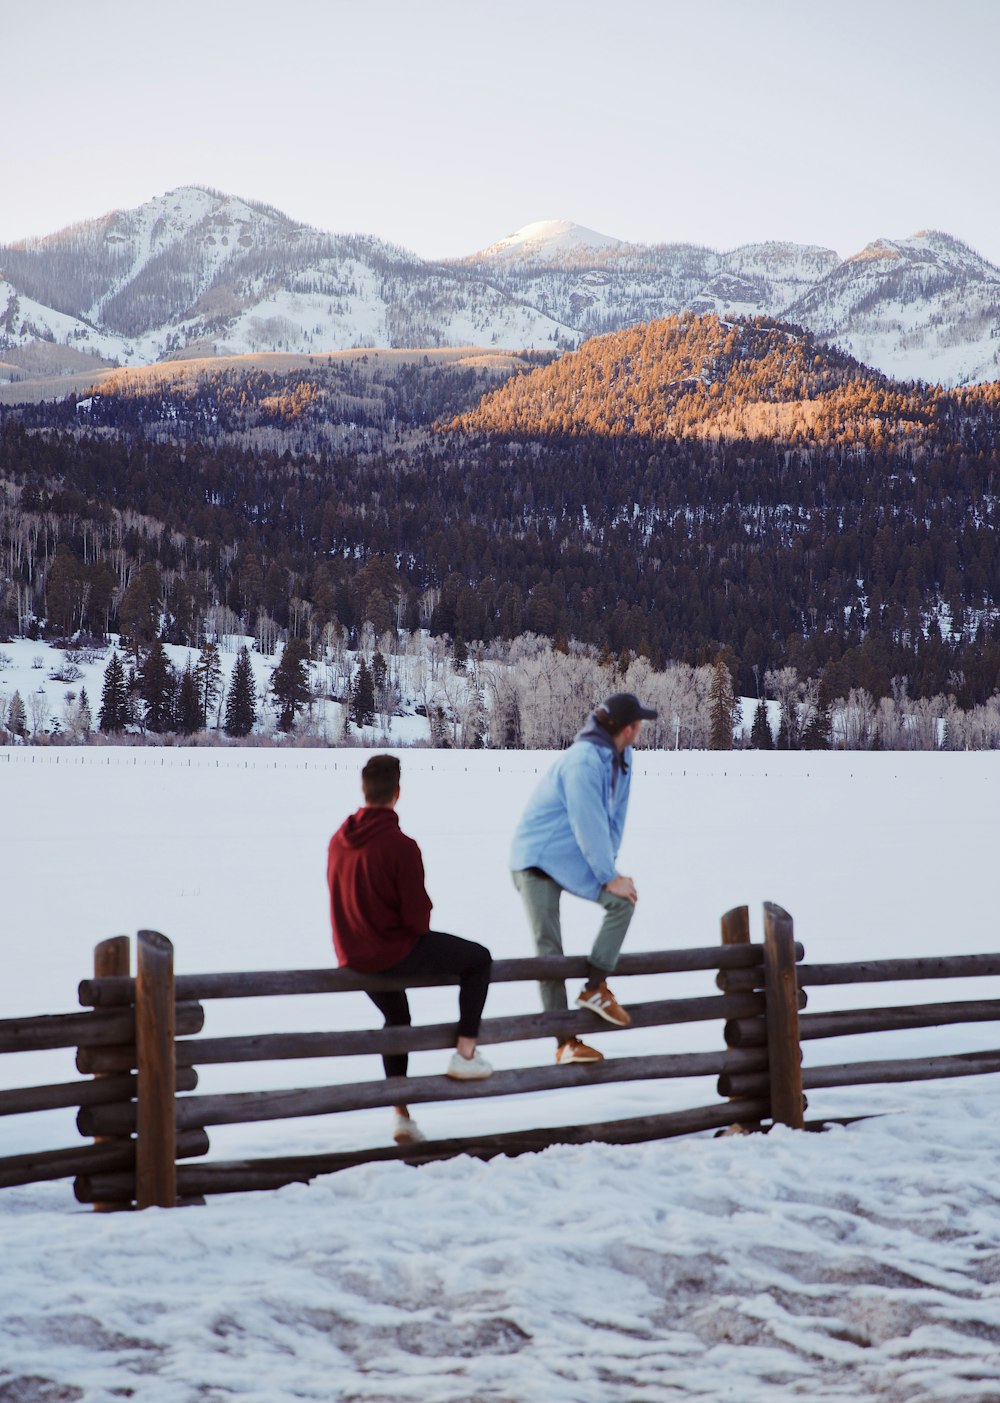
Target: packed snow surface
{"type": "Point", "coordinates": [859, 1263]}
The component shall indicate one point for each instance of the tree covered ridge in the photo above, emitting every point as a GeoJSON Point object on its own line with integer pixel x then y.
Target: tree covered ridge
{"type": "Point", "coordinates": [870, 559]}
{"type": "Point", "coordinates": [699, 376]}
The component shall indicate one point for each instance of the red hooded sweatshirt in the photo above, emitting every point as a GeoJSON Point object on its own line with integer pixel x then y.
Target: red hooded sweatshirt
{"type": "Point", "coordinates": [378, 906]}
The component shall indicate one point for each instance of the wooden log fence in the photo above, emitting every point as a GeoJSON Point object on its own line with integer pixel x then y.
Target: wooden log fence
{"type": "Point", "coordinates": [138, 1052]}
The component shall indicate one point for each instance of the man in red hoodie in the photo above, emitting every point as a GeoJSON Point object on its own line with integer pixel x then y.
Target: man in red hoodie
{"type": "Point", "coordinates": [380, 912]}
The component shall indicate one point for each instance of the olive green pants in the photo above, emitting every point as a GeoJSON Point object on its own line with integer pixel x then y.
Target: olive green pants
{"type": "Point", "coordinates": [541, 895]}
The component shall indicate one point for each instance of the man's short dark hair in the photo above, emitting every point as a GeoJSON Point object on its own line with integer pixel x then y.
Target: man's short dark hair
{"type": "Point", "coordinates": [380, 779]}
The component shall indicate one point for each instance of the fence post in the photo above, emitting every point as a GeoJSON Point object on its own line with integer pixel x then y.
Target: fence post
{"type": "Point", "coordinates": [736, 926]}
{"type": "Point", "coordinates": [112, 958]}
{"type": "Point", "coordinates": [782, 999]}
{"type": "Point", "coordinates": [735, 931]}
{"type": "Point", "coordinates": [156, 1123]}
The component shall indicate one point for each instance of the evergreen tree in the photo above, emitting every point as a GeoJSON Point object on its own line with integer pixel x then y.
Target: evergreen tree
{"type": "Point", "coordinates": [139, 611]}
{"type": "Point", "coordinates": [157, 688]}
{"type": "Point", "coordinates": [380, 682]}
{"type": "Point", "coordinates": [477, 723]}
{"type": "Point", "coordinates": [761, 737]}
{"type": "Point", "coordinates": [363, 697]}
{"type": "Point", "coordinates": [818, 734]}
{"type": "Point", "coordinates": [114, 713]}
{"type": "Point", "coordinates": [439, 729]}
{"type": "Point", "coordinates": [290, 682]}
{"type": "Point", "coordinates": [241, 704]}
{"type": "Point", "coordinates": [511, 731]}
{"type": "Point", "coordinates": [785, 739]}
{"type": "Point", "coordinates": [722, 707]}
{"type": "Point", "coordinates": [132, 712]}
{"type": "Point", "coordinates": [84, 716]}
{"type": "Point", "coordinates": [189, 703]}
{"type": "Point", "coordinates": [208, 675]}
{"type": "Point", "coordinates": [17, 717]}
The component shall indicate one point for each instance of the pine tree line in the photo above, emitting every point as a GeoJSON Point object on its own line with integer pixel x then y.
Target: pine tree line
{"type": "Point", "coordinates": [154, 698]}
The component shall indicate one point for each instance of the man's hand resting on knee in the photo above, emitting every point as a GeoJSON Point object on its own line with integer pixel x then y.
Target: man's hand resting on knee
{"type": "Point", "coordinates": [622, 886]}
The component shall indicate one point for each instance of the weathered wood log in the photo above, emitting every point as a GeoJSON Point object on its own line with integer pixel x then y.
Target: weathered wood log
{"type": "Point", "coordinates": [750, 1032]}
{"type": "Point", "coordinates": [99, 1029]}
{"type": "Point", "coordinates": [123, 1057]}
{"type": "Point", "coordinates": [102, 1091]}
{"type": "Point", "coordinates": [109, 993]}
{"type": "Point", "coordinates": [963, 1064]}
{"type": "Point", "coordinates": [740, 1084]}
{"type": "Point", "coordinates": [894, 1019]}
{"type": "Point", "coordinates": [746, 1032]}
{"type": "Point", "coordinates": [733, 981]}
{"type": "Point", "coordinates": [156, 1121]}
{"type": "Point", "coordinates": [113, 960]}
{"type": "Point", "coordinates": [237, 1108]}
{"type": "Point", "coordinates": [736, 931]}
{"type": "Point", "coordinates": [746, 980]}
{"type": "Point", "coordinates": [242, 1176]}
{"type": "Point", "coordinates": [36, 1167]}
{"type": "Point", "coordinates": [267, 1047]}
{"type": "Point", "coordinates": [783, 1053]}
{"type": "Point", "coordinates": [50, 1030]}
{"type": "Point", "coordinates": [883, 971]}
{"type": "Point", "coordinates": [736, 926]}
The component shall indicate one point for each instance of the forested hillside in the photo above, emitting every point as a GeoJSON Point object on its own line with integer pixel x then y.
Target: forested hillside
{"type": "Point", "coordinates": [701, 377]}
{"type": "Point", "coordinates": [671, 491]}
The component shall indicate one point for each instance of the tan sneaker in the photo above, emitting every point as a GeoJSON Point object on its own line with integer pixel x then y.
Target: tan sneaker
{"type": "Point", "coordinates": [602, 1002]}
{"type": "Point", "coordinates": [576, 1051]}
{"type": "Point", "coordinates": [406, 1131]}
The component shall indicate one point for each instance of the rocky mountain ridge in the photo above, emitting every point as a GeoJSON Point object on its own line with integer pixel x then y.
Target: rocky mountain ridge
{"type": "Point", "coordinates": [195, 272]}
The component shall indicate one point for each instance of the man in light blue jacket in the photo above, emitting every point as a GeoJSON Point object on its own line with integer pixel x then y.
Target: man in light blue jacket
{"type": "Point", "coordinates": [568, 840]}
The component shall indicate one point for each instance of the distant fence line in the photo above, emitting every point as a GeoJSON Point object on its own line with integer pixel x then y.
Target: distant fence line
{"type": "Point", "coordinates": [138, 1050]}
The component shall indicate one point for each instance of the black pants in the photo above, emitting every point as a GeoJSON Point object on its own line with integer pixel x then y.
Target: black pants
{"type": "Point", "coordinates": [437, 953]}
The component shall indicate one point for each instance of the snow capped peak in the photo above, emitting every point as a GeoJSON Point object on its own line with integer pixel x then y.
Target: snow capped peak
{"type": "Point", "coordinates": [929, 246]}
{"type": "Point", "coordinates": [549, 240]}
{"type": "Point", "coordinates": [195, 269]}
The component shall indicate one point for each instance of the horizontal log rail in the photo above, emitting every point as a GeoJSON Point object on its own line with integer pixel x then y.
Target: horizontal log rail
{"type": "Point", "coordinates": [118, 990]}
{"type": "Point", "coordinates": [47, 1031]}
{"type": "Point", "coordinates": [903, 1069]}
{"type": "Point", "coordinates": [883, 971]}
{"type": "Point", "coordinates": [266, 1047]}
{"type": "Point", "coordinates": [103, 1091]}
{"type": "Point", "coordinates": [243, 1107]}
{"type": "Point", "coordinates": [242, 1176]}
{"type": "Point", "coordinates": [751, 1032]}
{"type": "Point", "coordinates": [17, 1170]}
{"type": "Point", "coordinates": [887, 1071]}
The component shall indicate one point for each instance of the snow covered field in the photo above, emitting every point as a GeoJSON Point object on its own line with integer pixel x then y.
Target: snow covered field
{"type": "Point", "coordinates": [858, 1264]}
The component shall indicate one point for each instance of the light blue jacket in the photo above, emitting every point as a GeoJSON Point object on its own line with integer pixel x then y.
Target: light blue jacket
{"type": "Point", "coordinates": [572, 827]}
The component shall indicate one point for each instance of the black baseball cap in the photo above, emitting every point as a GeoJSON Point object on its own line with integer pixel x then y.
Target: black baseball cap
{"type": "Point", "coordinates": [625, 707]}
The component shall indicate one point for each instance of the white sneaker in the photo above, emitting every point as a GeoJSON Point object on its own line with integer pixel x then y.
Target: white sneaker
{"type": "Point", "coordinates": [474, 1068]}
{"type": "Point", "coordinates": [406, 1131]}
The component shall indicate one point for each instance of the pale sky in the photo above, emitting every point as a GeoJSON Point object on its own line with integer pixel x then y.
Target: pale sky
{"type": "Point", "coordinates": [443, 125]}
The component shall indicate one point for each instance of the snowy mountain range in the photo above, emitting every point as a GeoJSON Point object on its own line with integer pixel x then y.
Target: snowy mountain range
{"type": "Point", "coordinates": [195, 272]}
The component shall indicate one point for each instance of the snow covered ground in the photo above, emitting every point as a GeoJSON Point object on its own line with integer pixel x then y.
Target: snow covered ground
{"type": "Point", "coordinates": [37, 672]}
{"type": "Point", "coordinates": [857, 1264]}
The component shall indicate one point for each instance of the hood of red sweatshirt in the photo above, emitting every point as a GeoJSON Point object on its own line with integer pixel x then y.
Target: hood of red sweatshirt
{"type": "Point", "coordinates": [366, 824]}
